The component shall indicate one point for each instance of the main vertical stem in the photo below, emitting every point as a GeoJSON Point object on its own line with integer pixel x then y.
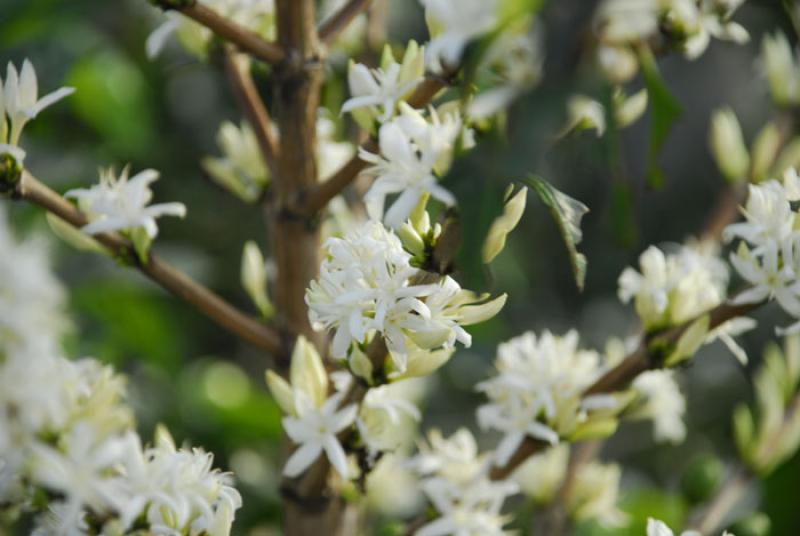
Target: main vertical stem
{"type": "Point", "coordinates": [295, 239]}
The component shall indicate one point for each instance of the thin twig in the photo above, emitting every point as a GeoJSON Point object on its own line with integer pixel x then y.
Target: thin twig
{"type": "Point", "coordinates": [238, 70]}
{"type": "Point", "coordinates": [176, 282]}
{"type": "Point", "coordinates": [334, 25]}
{"type": "Point", "coordinates": [247, 40]}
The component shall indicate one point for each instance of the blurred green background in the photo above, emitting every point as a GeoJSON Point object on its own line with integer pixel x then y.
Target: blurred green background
{"type": "Point", "coordinates": [208, 388]}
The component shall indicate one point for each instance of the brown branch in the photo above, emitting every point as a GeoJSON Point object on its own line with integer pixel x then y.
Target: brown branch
{"type": "Point", "coordinates": [179, 284]}
{"type": "Point", "coordinates": [238, 71]}
{"type": "Point", "coordinates": [247, 40]}
{"type": "Point", "coordinates": [642, 359]}
{"type": "Point", "coordinates": [310, 202]}
{"type": "Point", "coordinates": [334, 25]}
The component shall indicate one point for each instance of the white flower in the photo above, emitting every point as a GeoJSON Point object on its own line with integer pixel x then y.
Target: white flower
{"type": "Point", "coordinates": [413, 151]}
{"type": "Point", "coordinates": [674, 288]}
{"type": "Point", "coordinates": [537, 390]}
{"type": "Point", "coordinates": [453, 458]}
{"type": "Point", "coordinates": [31, 299]}
{"type": "Point", "coordinates": [453, 24]}
{"type": "Point", "coordinates": [768, 277]}
{"type": "Point", "coordinates": [584, 113]}
{"type": "Point", "coordinates": [119, 204]}
{"type": "Point", "coordinates": [365, 288]}
{"type": "Point", "coordinates": [659, 528]}
{"type": "Point", "coordinates": [467, 511]}
{"type": "Point", "coordinates": [314, 430]}
{"type": "Point", "coordinates": [726, 332]}
{"type": "Point", "coordinates": [241, 169]}
{"type": "Point", "coordinates": [662, 401]}
{"type": "Point", "coordinates": [595, 494]}
{"type": "Point", "coordinates": [385, 417]}
{"type": "Point", "coordinates": [383, 88]}
{"type": "Point", "coordinates": [768, 213]}
{"type": "Point", "coordinates": [623, 21]}
{"type": "Point", "coordinates": [19, 100]}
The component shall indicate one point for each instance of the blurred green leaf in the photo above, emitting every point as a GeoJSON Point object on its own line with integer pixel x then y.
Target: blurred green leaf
{"type": "Point", "coordinates": [112, 97]}
{"type": "Point", "coordinates": [664, 111]}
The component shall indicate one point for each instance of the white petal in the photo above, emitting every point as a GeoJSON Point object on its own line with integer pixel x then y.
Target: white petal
{"type": "Point", "coordinates": [301, 459]}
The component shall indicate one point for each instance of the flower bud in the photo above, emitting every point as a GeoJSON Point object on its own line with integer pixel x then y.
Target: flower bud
{"type": "Point", "coordinates": [765, 150]}
{"type": "Point", "coordinates": [254, 278]}
{"type": "Point", "coordinates": [783, 74]}
{"type": "Point", "coordinates": [727, 145]}
{"type": "Point", "coordinates": [281, 392]}
{"type": "Point", "coordinates": [307, 372]}
{"type": "Point", "coordinates": [504, 224]}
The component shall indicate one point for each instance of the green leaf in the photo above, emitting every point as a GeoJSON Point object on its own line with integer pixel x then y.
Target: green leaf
{"type": "Point", "coordinates": [665, 110]}
{"type": "Point", "coordinates": [567, 213]}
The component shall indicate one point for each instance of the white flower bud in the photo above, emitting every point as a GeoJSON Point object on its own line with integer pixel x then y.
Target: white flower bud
{"type": "Point", "coordinates": [504, 224]}
{"type": "Point", "coordinates": [728, 147]}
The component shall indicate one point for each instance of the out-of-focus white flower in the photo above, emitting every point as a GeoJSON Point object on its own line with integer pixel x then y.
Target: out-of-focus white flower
{"type": "Point", "coordinates": [393, 489]}
{"type": "Point", "coordinates": [176, 490]}
{"type": "Point", "coordinates": [413, 151]}
{"type": "Point", "coordinates": [31, 299]}
{"type": "Point", "coordinates": [662, 401]}
{"type": "Point", "coordinates": [541, 475]}
{"type": "Point", "coordinates": [455, 479]}
{"type": "Point", "coordinates": [331, 153]}
{"type": "Point", "coordinates": [512, 65]}
{"type": "Point", "coordinates": [781, 68]}
{"type": "Point", "coordinates": [595, 494]}
{"type": "Point", "coordinates": [659, 528]}
{"type": "Point", "coordinates": [120, 204]}
{"type": "Point", "coordinates": [537, 391]}
{"type": "Point", "coordinates": [617, 62]}
{"type": "Point", "coordinates": [386, 418]}
{"type": "Point", "coordinates": [726, 333]}
{"type": "Point", "coordinates": [314, 430]}
{"type": "Point", "coordinates": [241, 169]}
{"type": "Point", "coordinates": [452, 25]}
{"type": "Point", "coordinates": [471, 511]}
{"type": "Point", "coordinates": [625, 21]}
{"type": "Point", "coordinates": [380, 90]}
{"type": "Point", "coordinates": [255, 15]}
{"type": "Point", "coordinates": [20, 102]}
{"type": "Point", "coordinates": [673, 288]}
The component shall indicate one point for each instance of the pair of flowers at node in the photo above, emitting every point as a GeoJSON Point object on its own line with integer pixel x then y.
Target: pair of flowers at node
{"type": "Point", "coordinates": [20, 103]}
{"type": "Point", "coordinates": [595, 488]}
{"type": "Point", "coordinates": [768, 253]}
{"type": "Point", "coordinates": [241, 168]}
{"type": "Point", "coordinates": [368, 287]}
{"type": "Point", "coordinates": [319, 416]}
{"type": "Point", "coordinates": [659, 528]}
{"type": "Point", "coordinates": [455, 478]}
{"type": "Point", "coordinates": [689, 25]}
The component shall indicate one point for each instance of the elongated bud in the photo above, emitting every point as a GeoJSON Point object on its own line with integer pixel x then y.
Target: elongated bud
{"type": "Point", "coordinates": [765, 151]}
{"type": "Point", "coordinates": [503, 225]}
{"type": "Point", "coordinates": [307, 372]}
{"type": "Point", "coordinates": [281, 392]}
{"type": "Point", "coordinates": [727, 145]}
{"type": "Point", "coordinates": [254, 279]}
{"type": "Point", "coordinates": [628, 109]}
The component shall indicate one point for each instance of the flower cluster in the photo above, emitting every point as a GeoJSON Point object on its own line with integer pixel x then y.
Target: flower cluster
{"type": "Point", "coordinates": [367, 286]}
{"type": "Point", "coordinates": [767, 256]}
{"type": "Point", "coordinates": [659, 528]}
{"type": "Point", "coordinates": [455, 479]}
{"type": "Point", "coordinates": [674, 287]}
{"type": "Point", "coordinates": [689, 25]}
{"type": "Point", "coordinates": [538, 390]}
{"type": "Point", "coordinates": [66, 435]}
{"type": "Point", "coordinates": [19, 103]}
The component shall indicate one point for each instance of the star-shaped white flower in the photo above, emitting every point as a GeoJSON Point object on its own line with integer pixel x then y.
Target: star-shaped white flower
{"type": "Point", "coordinates": [314, 430]}
{"type": "Point", "coordinates": [120, 204]}
{"type": "Point", "coordinates": [19, 100]}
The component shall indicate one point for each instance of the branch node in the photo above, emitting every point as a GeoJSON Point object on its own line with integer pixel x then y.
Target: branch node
{"type": "Point", "coordinates": [10, 176]}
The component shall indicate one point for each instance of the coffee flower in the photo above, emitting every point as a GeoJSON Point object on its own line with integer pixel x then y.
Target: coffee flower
{"type": "Point", "coordinates": [767, 257]}
{"type": "Point", "coordinates": [455, 480]}
{"type": "Point", "coordinates": [659, 528]}
{"type": "Point", "coordinates": [537, 391]}
{"type": "Point", "coordinates": [366, 287]}
{"type": "Point", "coordinates": [19, 103]}
{"type": "Point", "coordinates": [120, 204]}
{"type": "Point", "coordinates": [674, 287]}
{"type": "Point", "coordinates": [414, 153]}
{"type": "Point", "coordinates": [453, 24]}
{"type": "Point", "coordinates": [241, 169]}
{"type": "Point", "coordinates": [380, 90]}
